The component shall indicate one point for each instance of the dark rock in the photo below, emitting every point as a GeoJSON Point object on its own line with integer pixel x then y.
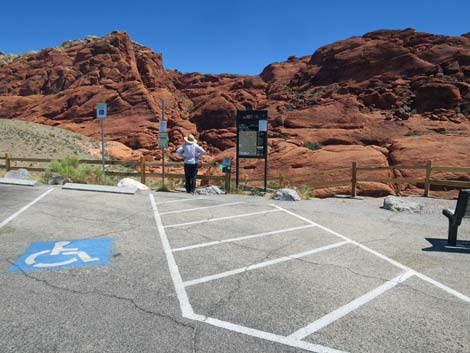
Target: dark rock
{"type": "Point", "coordinates": [56, 180]}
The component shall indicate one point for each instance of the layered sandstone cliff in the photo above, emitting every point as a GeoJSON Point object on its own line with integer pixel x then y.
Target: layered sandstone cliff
{"type": "Point", "coordinates": [388, 97]}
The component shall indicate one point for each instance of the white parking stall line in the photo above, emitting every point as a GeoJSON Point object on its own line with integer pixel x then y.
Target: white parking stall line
{"type": "Point", "coordinates": [246, 237]}
{"type": "Point", "coordinates": [383, 257]}
{"type": "Point", "coordinates": [262, 264]}
{"type": "Point", "coordinates": [311, 222]}
{"type": "Point", "coordinates": [312, 347]}
{"type": "Point", "coordinates": [185, 305]}
{"type": "Point", "coordinates": [444, 287]}
{"type": "Point", "coordinates": [220, 218]}
{"type": "Point", "coordinates": [202, 208]}
{"type": "Point", "coordinates": [348, 308]}
{"type": "Point", "coordinates": [14, 215]}
{"type": "Point", "coordinates": [187, 310]}
{"type": "Point", "coordinates": [179, 200]}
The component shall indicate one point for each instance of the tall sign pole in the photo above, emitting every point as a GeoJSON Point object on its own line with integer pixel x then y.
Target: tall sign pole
{"type": "Point", "coordinates": [101, 112]}
{"type": "Point", "coordinates": [163, 146]}
{"type": "Point", "coordinates": [163, 140]}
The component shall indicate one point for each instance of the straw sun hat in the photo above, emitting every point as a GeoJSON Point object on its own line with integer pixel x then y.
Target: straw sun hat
{"type": "Point", "coordinates": [190, 139]}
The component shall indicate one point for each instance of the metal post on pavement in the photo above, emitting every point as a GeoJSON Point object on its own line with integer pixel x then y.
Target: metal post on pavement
{"type": "Point", "coordinates": [102, 145]}
{"type": "Point", "coordinates": [163, 148]}
{"type": "Point", "coordinates": [101, 112]}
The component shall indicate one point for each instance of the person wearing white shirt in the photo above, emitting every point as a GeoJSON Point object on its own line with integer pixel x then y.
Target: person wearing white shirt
{"type": "Point", "coordinates": [191, 152]}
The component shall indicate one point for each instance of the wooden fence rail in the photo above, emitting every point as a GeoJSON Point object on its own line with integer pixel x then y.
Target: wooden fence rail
{"type": "Point", "coordinates": [142, 165]}
{"type": "Point", "coordinates": [355, 171]}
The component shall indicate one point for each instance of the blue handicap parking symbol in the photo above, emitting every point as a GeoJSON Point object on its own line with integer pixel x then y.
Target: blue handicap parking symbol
{"type": "Point", "coordinates": [64, 253]}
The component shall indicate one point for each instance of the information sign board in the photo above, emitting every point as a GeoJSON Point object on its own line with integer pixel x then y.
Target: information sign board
{"type": "Point", "coordinates": [252, 133]}
{"type": "Point", "coordinates": [163, 139]}
{"type": "Point", "coordinates": [252, 138]}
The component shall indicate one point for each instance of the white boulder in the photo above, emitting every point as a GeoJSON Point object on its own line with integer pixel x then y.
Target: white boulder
{"type": "Point", "coordinates": [22, 174]}
{"type": "Point", "coordinates": [398, 204]}
{"type": "Point", "coordinates": [212, 189]}
{"type": "Point", "coordinates": [287, 195]}
{"type": "Point", "coordinates": [131, 183]}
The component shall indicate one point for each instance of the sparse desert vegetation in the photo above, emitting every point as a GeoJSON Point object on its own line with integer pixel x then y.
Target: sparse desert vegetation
{"type": "Point", "coordinates": [28, 139]}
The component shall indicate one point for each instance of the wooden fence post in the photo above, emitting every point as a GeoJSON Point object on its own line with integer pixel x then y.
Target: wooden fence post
{"type": "Point", "coordinates": [427, 181]}
{"type": "Point", "coordinates": [142, 170]}
{"type": "Point", "coordinates": [354, 179]}
{"type": "Point", "coordinates": [7, 162]}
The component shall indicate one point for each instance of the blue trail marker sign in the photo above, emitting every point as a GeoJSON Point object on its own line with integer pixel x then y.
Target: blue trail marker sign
{"type": "Point", "coordinates": [101, 113]}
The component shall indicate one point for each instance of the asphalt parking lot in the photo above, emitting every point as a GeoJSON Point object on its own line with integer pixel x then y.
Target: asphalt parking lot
{"type": "Point", "coordinates": [167, 272]}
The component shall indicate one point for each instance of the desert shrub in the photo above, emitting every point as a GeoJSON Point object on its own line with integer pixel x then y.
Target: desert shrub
{"type": "Point", "coordinates": [169, 184]}
{"type": "Point", "coordinates": [256, 192]}
{"type": "Point", "coordinates": [312, 145]}
{"type": "Point", "coordinates": [413, 133]}
{"type": "Point", "coordinates": [305, 191]}
{"type": "Point", "coordinates": [70, 168]}
{"type": "Point", "coordinates": [273, 185]}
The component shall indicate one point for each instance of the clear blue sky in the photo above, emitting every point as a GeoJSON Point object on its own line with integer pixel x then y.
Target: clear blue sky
{"type": "Point", "coordinates": [215, 36]}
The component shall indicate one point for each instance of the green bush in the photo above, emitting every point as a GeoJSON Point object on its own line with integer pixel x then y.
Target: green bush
{"type": "Point", "coordinates": [70, 168]}
{"type": "Point", "coordinates": [305, 191]}
{"type": "Point", "coordinates": [273, 185]}
{"type": "Point", "coordinates": [414, 133]}
{"type": "Point", "coordinates": [312, 145]}
{"type": "Point", "coordinates": [169, 185]}
{"type": "Point", "coordinates": [256, 192]}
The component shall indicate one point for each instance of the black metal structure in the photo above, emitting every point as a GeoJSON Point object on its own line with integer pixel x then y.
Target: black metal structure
{"type": "Point", "coordinates": [462, 210]}
{"type": "Point", "coordinates": [252, 139]}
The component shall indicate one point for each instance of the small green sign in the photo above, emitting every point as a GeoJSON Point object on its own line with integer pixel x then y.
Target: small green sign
{"type": "Point", "coordinates": [163, 139]}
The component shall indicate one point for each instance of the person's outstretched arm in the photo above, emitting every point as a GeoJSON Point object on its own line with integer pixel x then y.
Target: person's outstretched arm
{"type": "Point", "coordinates": [199, 152]}
{"type": "Point", "coordinates": [180, 151]}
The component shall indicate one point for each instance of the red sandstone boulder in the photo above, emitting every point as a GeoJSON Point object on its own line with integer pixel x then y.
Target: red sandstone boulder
{"type": "Point", "coordinates": [432, 96]}
{"type": "Point", "coordinates": [216, 113]}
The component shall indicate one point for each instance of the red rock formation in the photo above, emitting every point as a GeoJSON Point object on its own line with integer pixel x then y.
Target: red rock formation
{"type": "Point", "coordinates": [390, 96]}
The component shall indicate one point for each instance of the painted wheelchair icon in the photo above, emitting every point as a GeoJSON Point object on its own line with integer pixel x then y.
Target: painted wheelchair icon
{"type": "Point", "coordinates": [64, 253]}
{"type": "Point", "coordinates": [58, 249]}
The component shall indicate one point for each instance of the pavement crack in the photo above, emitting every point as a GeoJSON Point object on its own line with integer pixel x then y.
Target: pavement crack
{"type": "Point", "coordinates": [382, 279]}
{"type": "Point", "coordinates": [194, 339]}
{"type": "Point", "coordinates": [228, 298]}
{"type": "Point", "coordinates": [106, 295]}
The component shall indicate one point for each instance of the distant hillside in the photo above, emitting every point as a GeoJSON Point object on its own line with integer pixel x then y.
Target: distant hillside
{"type": "Point", "coordinates": [28, 139]}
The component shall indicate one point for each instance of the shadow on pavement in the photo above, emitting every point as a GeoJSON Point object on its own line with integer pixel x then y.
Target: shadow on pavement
{"type": "Point", "coordinates": [440, 245]}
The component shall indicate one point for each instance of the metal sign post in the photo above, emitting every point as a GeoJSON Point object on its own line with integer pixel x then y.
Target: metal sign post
{"type": "Point", "coordinates": [252, 139]}
{"type": "Point", "coordinates": [101, 113]}
{"type": "Point", "coordinates": [163, 140]}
